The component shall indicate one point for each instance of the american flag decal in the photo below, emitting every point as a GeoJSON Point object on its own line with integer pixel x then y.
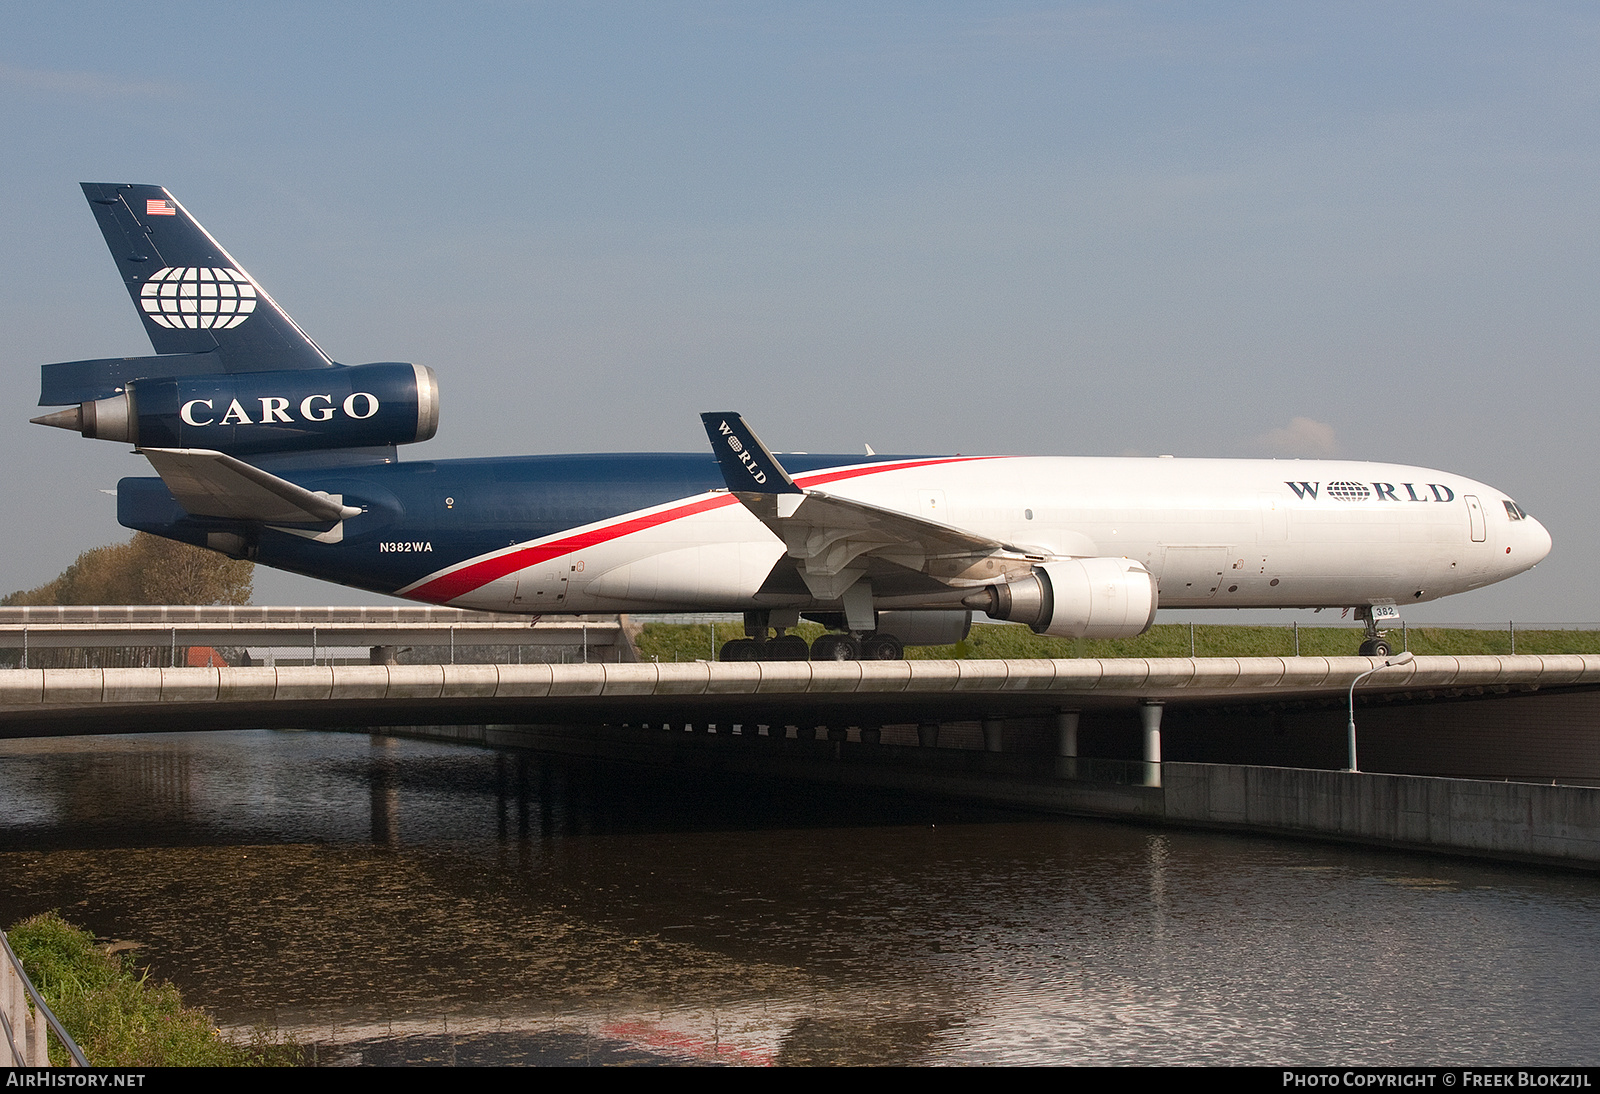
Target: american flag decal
{"type": "Point", "coordinates": [160, 207]}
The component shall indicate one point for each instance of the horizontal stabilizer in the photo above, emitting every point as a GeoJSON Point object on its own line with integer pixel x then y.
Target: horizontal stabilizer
{"type": "Point", "coordinates": [212, 484]}
{"type": "Point", "coordinates": [85, 381]}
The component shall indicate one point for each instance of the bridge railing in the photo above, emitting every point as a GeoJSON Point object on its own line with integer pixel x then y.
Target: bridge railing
{"type": "Point", "coordinates": [27, 1028]}
{"type": "Point", "coordinates": [153, 636]}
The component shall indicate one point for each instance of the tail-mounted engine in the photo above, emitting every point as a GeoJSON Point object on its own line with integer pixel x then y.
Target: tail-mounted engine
{"type": "Point", "coordinates": [1076, 598]}
{"type": "Point", "coordinates": [356, 406]}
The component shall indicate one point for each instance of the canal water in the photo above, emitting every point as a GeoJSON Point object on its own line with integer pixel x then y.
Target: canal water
{"type": "Point", "coordinates": [392, 901]}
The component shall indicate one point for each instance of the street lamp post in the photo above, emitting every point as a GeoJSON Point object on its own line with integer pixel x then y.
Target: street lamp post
{"type": "Point", "coordinates": [1398, 659]}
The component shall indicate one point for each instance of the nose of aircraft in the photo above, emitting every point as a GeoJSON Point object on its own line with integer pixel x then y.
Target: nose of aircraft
{"type": "Point", "coordinates": [1536, 542]}
{"type": "Point", "coordinates": [1520, 546]}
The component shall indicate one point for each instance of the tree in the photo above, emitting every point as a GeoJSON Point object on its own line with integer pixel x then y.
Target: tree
{"type": "Point", "coordinates": [145, 570]}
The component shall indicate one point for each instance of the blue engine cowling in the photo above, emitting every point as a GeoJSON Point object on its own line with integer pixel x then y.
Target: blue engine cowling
{"type": "Point", "coordinates": [356, 406]}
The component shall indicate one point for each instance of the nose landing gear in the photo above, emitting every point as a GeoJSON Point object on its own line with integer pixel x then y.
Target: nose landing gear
{"type": "Point", "coordinates": [1376, 642]}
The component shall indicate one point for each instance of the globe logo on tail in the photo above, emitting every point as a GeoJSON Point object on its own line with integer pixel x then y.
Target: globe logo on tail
{"type": "Point", "coordinates": [198, 297]}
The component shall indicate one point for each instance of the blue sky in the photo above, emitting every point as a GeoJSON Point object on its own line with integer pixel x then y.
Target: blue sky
{"type": "Point", "coordinates": [1243, 229]}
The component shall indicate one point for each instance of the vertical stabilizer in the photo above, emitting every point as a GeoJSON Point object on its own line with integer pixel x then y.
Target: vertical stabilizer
{"type": "Point", "coordinates": [190, 293]}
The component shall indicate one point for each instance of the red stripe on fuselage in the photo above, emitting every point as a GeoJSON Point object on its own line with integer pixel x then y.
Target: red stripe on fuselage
{"type": "Point", "coordinates": [474, 575]}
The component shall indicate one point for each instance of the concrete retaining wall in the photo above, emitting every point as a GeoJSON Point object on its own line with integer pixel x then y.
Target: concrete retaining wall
{"type": "Point", "coordinates": [1521, 821]}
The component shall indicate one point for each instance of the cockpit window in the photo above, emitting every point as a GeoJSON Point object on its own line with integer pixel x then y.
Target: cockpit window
{"type": "Point", "coordinates": [1514, 511]}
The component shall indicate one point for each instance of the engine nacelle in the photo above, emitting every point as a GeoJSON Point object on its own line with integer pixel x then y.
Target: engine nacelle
{"type": "Point", "coordinates": [356, 406]}
{"type": "Point", "coordinates": [926, 628]}
{"type": "Point", "coordinates": [1076, 598]}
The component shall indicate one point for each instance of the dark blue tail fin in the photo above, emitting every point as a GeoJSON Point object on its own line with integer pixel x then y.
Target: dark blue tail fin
{"type": "Point", "coordinates": [189, 292]}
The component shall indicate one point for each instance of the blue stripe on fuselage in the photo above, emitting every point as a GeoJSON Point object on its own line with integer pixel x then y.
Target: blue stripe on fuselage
{"type": "Point", "coordinates": [448, 511]}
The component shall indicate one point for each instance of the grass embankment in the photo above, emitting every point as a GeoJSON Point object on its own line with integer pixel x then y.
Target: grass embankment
{"type": "Point", "coordinates": [118, 1016]}
{"type": "Point", "coordinates": [690, 642]}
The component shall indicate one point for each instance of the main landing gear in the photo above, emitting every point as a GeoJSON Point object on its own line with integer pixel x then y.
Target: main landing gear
{"type": "Point", "coordinates": [787, 646]}
{"type": "Point", "coordinates": [827, 647]}
{"type": "Point", "coordinates": [848, 647]}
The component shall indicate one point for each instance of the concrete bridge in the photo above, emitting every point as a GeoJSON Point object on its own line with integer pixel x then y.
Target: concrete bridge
{"type": "Point", "coordinates": [784, 694]}
{"type": "Point", "coordinates": [1251, 744]}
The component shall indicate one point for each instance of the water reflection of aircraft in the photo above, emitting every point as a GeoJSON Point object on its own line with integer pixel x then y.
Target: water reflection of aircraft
{"type": "Point", "coordinates": [267, 449]}
{"type": "Point", "coordinates": [824, 1028]}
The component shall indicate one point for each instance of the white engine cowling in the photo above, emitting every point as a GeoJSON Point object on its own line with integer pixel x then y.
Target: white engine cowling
{"type": "Point", "coordinates": [1077, 598]}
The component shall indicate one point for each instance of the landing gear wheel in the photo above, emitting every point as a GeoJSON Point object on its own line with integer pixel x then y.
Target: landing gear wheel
{"type": "Point", "coordinates": [836, 647]}
{"type": "Point", "coordinates": [788, 647]}
{"type": "Point", "coordinates": [740, 649]}
{"type": "Point", "coordinates": [882, 647]}
{"type": "Point", "coordinates": [1375, 647]}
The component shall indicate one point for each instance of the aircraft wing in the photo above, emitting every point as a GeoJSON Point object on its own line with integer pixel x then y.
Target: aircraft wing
{"type": "Point", "coordinates": [835, 541]}
{"type": "Point", "coordinates": [213, 484]}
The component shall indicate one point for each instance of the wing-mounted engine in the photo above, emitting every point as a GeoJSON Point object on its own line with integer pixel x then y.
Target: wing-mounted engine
{"type": "Point", "coordinates": [357, 406]}
{"type": "Point", "coordinates": [926, 628]}
{"type": "Point", "coordinates": [1076, 598]}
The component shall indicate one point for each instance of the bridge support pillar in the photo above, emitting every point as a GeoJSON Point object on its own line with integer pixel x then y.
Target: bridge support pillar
{"type": "Point", "coordinates": [1067, 743]}
{"type": "Point", "coordinates": [992, 727]}
{"type": "Point", "coordinates": [1150, 716]}
{"type": "Point", "coordinates": [1067, 733]}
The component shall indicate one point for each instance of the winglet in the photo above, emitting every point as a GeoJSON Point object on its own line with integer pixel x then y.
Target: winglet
{"type": "Point", "coordinates": [747, 466]}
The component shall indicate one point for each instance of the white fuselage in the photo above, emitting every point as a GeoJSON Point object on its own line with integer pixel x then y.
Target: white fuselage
{"type": "Point", "coordinates": [1215, 533]}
